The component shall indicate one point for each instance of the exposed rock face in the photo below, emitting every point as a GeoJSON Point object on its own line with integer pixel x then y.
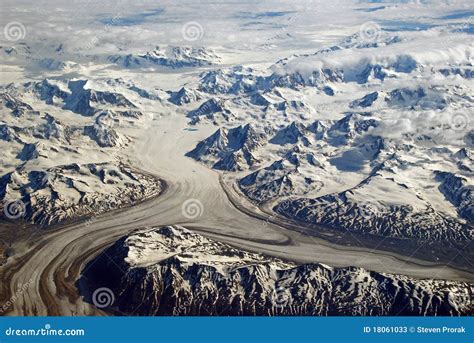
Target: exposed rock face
{"type": "Point", "coordinates": [51, 130]}
{"type": "Point", "coordinates": [31, 151]}
{"type": "Point", "coordinates": [76, 96]}
{"type": "Point", "coordinates": [54, 169]}
{"type": "Point", "coordinates": [173, 271]}
{"type": "Point", "coordinates": [285, 177]}
{"type": "Point", "coordinates": [341, 212]}
{"type": "Point", "coordinates": [65, 192]}
{"type": "Point", "coordinates": [185, 96]}
{"type": "Point", "coordinates": [359, 209]}
{"type": "Point", "coordinates": [414, 98]}
{"type": "Point", "coordinates": [210, 110]}
{"type": "Point", "coordinates": [169, 56]}
{"type": "Point", "coordinates": [334, 160]}
{"type": "Point", "coordinates": [231, 81]}
{"type": "Point", "coordinates": [17, 107]}
{"type": "Point", "coordinates": [291, 134]}
{"type": "Point", "coordinates": [459, 192]}
{"type": "Point", "coordinates": [103, 134]}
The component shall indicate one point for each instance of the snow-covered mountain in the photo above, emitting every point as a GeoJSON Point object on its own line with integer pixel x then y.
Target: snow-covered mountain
{"type": "Point", "coordinates": [230, 149]}
{"type": "Point", "coordinates": [350, 210]}
{"type": "Point", "coordinates": [459, 191]}
{"type": "Point", "coordinates": [418, 98]}
{"type": "Point", "coordinates": [297, 173]}
{"type": "Point", "coordinates": [49, 60]}
{"type": "Point", "coordinates": [62, 149]}
{"type": "Point", "coordinates": [52, 195]}
{"type": "Point", "coordinates": [213, 110]}
{"type": "Point", "coordinates": [174, 271]}
{"type": "Point", "coordinates": [16, 106]}
{"type": "Point", "coordinates": [350, 122]}
{"type": "Point", "coordinates": [168, 56]}
{"type": "Point", "coordinates": [185, 96]}
{"type": "Point", "coordinates": [78, 96]}
{"type": "Point", "coordinates": [395, 140]}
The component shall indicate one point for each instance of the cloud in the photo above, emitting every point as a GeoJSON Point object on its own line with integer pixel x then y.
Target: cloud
{"type": "Point", "coordinates": [443, 126]}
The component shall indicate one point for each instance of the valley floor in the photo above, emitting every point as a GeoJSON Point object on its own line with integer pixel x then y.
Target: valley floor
{"type": "Point", "coordinates": [51, 263]}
